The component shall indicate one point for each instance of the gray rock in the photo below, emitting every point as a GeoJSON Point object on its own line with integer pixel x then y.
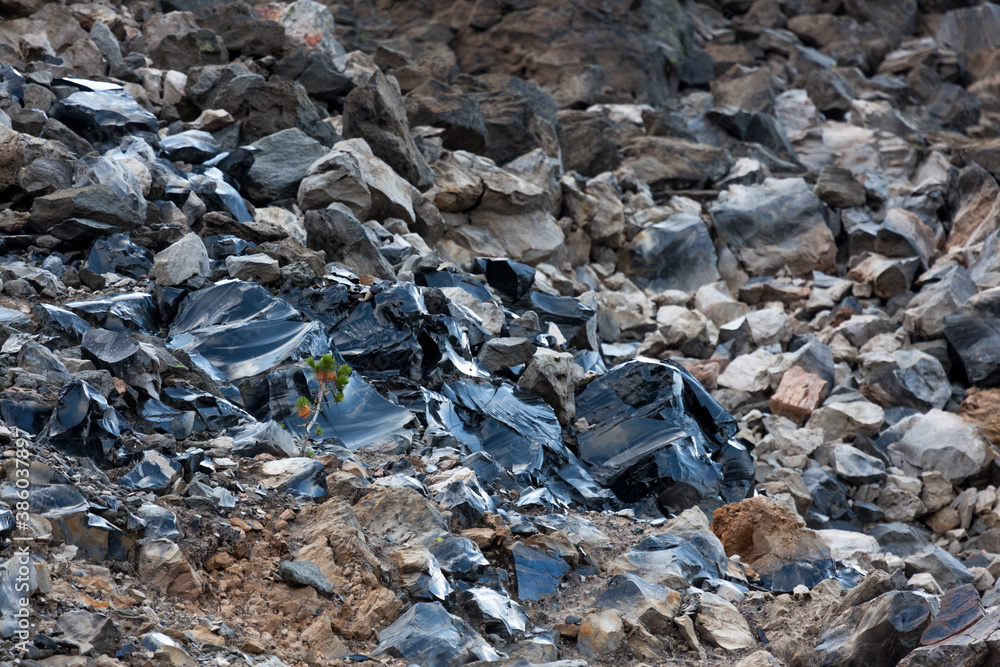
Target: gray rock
{"type": "Point", "coordinates": [838, 188]}
{"type": "Point", "coordinates": [374, 112]}
{"type": "Point", "coordinates": [305, 573]}
{"type": "Point", "coordinates": [970, 29]}
{"type": "Point", "coordinates": [677, 253]}
{"type": "Point", "coordinates": [339, 234]}
{"type": "Point", "coordinates": [944, 442]}
{"type": "Point", "coordinates": [265, 438]}
{"type": "Point", "coordinates": [847, 420]}
{"type": "Point", "coordinates": [588, 142]}
{"type": "Point", "coordinates": [436, 104]}
{"type": "Point", "coordinates": [855, 467]}
{"type": "Point", "coordinates": [253, 267]}
{"type": "Point", "coordinates": [975, 340]}
{"type": "Point", "coordinates": [777, 224]}
{"type": "Point", "coordinates": [301, 477]}
{"type": "Point", "coordinates": [428, 635]}
{"type": "Point", "coordinates": [499, 353]}
{"type": "Point", "coordinates": [553, 376]}
{"type": "Point", "coordinates": [92, 634]}
{"type": "Point", "coordinates": [184, 263]}
{"type": "Point", "coordinates": [925, 313]}
{"type": "Point", "coordinates": [947, 570]}
{"type": "Point", "coordinates": [830, 92]}
{"type": "Point", "coordinates": [125, 358]}
{"type": "Point", "coordinates": [39, 360]}
{"type": "Point", "coordinates": [666, 163]}
{"type": "Point", "coordinates": [907, 378]}
{"type": "Point", "coordinates": [280, 163]}
{"type": "Point", "coordinates": [95, 202]}
{"type": "Point", "coordinates": [877, 632]}
{"type": "Point", "coordinates": [641, 602]}
{"type": "Point", "coordinates": [888, 276]}
{"type": "Point", "coordinates": [520, 117]}
{"type": "Point", "coordinates": [153, 472]}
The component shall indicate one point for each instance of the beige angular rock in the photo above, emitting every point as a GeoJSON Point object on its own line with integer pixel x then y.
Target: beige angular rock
{"type": "Point", "coordinates": [681, 327]}
{"type": "Point", "coordinates": [721, 625]}
{"type": "Point", "coordinates": [319, 636]}
{"type": "Point", "coordinates": [527, 236]}
{"type": "Point", "coordinates": [768, 326]}
{"type": "Point", "coordinates": [352, 175]}
{"type": "Point", "coordinates": [625, 310]}
{"type": "Point", "coordinates": [748, 372]}
{"type": "Point", "coordinates": [686, 627]}
{"type": "Point", "coordinates": [600, 634]}
{"type": "Point", "coordinates": [926, 582]}
{"type": "Point", "coordinates": [597, 208]}
{"type": "Point", "coordinates": [487, 312]}
{"type": "Point", "coordinates": [253, 267]}
{"type": "Point", "coordinates": [759, 659]}
{"type": "Point", "coordinates": [715, 302]}
{"type": "Point", "coordinates": [185, 262]}
{"type": "Point", "coordinates": [457, 187]}
{"type": "Point", "coordinates": [843, 544]}
{"type": "Point", "coordinates": [553, 376]}
{"type": "Point", "coordinates": [844, 421]}
{"type": "Point", "coordinates": [790, 439]}
{"type": "Point", "coordinates": [163, 566]}
{"type": "Point", "coordinates": [936, 491]}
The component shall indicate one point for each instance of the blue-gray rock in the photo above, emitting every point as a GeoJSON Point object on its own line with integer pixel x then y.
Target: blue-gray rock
{"type": "Point", "coordinates": [305, 573]}
{"type": "Point", "coordinates": [677, 253]}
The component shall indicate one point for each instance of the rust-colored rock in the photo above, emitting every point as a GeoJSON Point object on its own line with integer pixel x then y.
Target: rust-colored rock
{"type": "Point", "coordinates": [219, 561]}
{"type": "Point", "coordinates": [982, 408]}
{"type": "Point", "coordinates": [799, 393]}
{"type": "Point", "coordinates": [765, 534]}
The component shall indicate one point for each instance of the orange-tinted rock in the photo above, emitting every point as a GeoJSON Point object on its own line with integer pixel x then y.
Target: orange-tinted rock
{"type": "Point", "coordinates": [982, 408]}
{"type": "Point", "coordinates": [219, 561]}
{"type": "Point", "coordinates": [799, 393]}
{"type": "Point", "coordinates": [765, 534]}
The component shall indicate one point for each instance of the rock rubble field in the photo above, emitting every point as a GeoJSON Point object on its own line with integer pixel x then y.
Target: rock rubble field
{"type": "Point", "coordinates": [670, 333]}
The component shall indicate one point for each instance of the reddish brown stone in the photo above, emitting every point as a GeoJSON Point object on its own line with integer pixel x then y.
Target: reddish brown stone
{"type": "Point", "coordinates": [799, 393]}
{"type": "Point", "coordinates": [219, 561]}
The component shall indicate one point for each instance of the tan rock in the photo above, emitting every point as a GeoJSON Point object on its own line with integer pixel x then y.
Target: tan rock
{"type": "Point", "coordinates": [686, 627]}
{"type": "Point", "coordinates": [485, 538]}
{"type": "Point", "coordinates": [360, 617]}
{"type": "Point", "coordinates": [759, 659]}
{"type": "Point", "coordinates": [600, 634]}
{"type": "Point", "coordinates": [943, 520]}
{"type": "Point", "coordinates": [982, 408]}
{"type": "Point", "coordinates": [203, 635]}
{"type": "Point", "coordinates": [162, 564]}
{"type": "Point", "coordinates": [332, 536]}
{"type": "Point", "coordinates": [319, 636]}
{"type": "Point", "coordinates": [721, 625]}
{"type": "Point", "coordinates": [799, 394]}
{"type": "Point", "coordinates": [218, 561]}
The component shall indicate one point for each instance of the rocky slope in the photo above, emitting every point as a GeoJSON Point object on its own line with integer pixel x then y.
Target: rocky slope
{"type": "Point", "coordinates": [671, 327]}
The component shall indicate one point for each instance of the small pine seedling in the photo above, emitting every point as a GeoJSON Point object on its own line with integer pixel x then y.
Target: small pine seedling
{"type": "Point", "coordinates": [332, 381]}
